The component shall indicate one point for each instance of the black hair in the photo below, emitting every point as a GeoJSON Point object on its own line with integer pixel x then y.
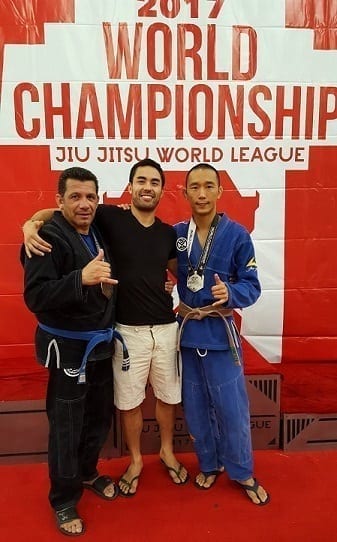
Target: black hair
{"type": "Point", "coordinates": [147, 162]}
{"type": "Point", "coordinates": [78, 174]}
{"type": "Point", "coordinates": [203, 166]}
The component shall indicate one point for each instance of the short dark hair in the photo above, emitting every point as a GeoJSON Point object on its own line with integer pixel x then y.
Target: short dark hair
{"type": "Point", "coordinates": [147, 162]}
{"type": "Point", "coordinates": [203, 166]}
{"type": "Point", "coordinates": [77, 173]}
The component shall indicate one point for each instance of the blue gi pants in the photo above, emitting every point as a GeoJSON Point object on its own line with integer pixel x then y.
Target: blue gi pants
{"type": "Point", "coordinates": [80, 417]}
{"type": "Point", "coordinates": [216, 409]}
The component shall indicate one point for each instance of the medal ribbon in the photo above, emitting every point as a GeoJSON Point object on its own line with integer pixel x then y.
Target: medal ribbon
{"type": "Point", "coordinates": [207, 247]}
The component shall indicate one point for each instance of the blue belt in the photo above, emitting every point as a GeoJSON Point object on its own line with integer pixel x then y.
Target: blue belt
{"type": "Point", "coordinates": [93, 338]}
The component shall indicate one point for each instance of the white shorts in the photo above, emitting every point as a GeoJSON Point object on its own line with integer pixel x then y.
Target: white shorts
{"type": "Point", "coordinates": [153, 357]}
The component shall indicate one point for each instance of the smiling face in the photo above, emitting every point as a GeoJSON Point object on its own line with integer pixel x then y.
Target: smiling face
{"type": "Point", "coordinates": [202, 191]}
{"type": "Point", "coordinates": [146, 188]}
{"type": "Point", "coordinates": [78, 204]}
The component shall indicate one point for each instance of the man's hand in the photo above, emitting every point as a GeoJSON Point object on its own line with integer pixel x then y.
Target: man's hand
{"type": "Point", "coordinates": [219, 291]}
{"type": "Point", "coordinates": [169, 285]}
{"type": "Point", "coordinates": [34, 244]}
{"type": "Point", "coordinates": [97, 271]}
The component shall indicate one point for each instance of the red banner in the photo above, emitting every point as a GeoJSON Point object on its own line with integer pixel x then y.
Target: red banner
{"type": "Point", "coordinates": [246, 86]}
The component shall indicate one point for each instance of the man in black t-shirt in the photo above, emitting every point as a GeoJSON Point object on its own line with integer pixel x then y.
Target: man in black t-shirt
{"type": "Point", "coordinates": [143, 248]}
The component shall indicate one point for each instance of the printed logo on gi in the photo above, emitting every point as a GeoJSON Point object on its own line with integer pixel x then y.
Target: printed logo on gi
{"type": "Point", "coordinates": [71, 372]}
{"type": "Point", "coordinates": [181, 244]}
{"type": "Point", "coordinates": [251, 265]}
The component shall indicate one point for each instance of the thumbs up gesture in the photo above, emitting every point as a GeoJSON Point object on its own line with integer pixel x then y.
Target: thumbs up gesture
{"type": "Point", "coordinates": [219, 291]}
{"type": "Point", "coordinates": [97, 271]}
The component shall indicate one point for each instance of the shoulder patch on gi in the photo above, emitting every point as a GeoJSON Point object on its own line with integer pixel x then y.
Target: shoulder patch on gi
{"type": "Point", "coordinates": [251, 264]}
{"type": "Point", "coordinates": [181, 244]}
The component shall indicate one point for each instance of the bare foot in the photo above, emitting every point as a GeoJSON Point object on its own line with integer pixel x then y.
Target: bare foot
{"type": "Point", "coordinates": [69, 522]}
{"type": "Point", "coordinates": [257, 493]}
{"type": "Point", "coordinates": [103, 486]}
{"type": "Point", "coordinates": [176, 470]}
{"type": "Point", "coordinates": [74, 526]}
{"type": "Point", "coordinates": [205, 480]}
{"type": "Point", "coordinates": [128, 483]}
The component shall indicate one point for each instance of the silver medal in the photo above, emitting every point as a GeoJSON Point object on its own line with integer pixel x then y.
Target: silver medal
{"type": "Point", "coordinates": [195, 282]}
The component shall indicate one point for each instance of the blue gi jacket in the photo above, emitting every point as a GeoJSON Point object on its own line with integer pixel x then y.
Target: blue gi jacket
{"type": "Point", "coordinates": [232, 257]}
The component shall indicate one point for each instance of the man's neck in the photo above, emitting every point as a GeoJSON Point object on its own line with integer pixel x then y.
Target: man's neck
{"type": "Point", "coordinates": [204, 222]}
{"type": "Point", "coordinates": [83, 231]}
{"type": "Point", "coordinates": [146, 218]}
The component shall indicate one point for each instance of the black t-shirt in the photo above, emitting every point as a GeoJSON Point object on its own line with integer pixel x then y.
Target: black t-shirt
{"type": "Point", "coordinates": [141, 255]}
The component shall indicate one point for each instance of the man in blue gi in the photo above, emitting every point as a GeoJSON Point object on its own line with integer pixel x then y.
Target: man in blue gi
{"type": "Point", "coordinates": [216, 273]}
{"type": "Point", "coordinates": [70, 292]}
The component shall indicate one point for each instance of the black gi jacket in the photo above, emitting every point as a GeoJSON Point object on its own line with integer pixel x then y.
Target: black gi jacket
{"type": "Point", "coordinates": [53, 291]}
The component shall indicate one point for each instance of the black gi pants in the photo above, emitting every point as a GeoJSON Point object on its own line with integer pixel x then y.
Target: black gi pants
{"type": "Point", "coordinates": [80, 416]}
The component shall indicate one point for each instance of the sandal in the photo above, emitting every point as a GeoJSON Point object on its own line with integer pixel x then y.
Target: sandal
{"type": "Point", "coordinates": [65, 516]}
{"type": "Point", "coordinates": [206, 476]}
{"type": "Point", "coordinates": [99, 485]}
{"type": "Point", "coordinates": [128, 493]}
{"type": "Point", "coordinates": [177, 473]}
{"type": "Point", "coordinates": [254, 489]}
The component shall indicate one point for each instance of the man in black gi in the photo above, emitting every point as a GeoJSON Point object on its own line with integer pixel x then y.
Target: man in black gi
{"type": "Point", "coordinates": [70, 291]}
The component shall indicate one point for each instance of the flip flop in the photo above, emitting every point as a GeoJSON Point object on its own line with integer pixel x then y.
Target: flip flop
{"type": "Point", "coordinates": [177, 473]}
{"type": "Point", "coordinates": [128, 493]}
{"type": "Point", "coordinates": [65, 516]}
{"type": "Point", "coordinates": [207, 475]}
{"type": "Point", "coordinates": [254, 489]}
{"type": "Point", "coordinates": [99, 485]}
